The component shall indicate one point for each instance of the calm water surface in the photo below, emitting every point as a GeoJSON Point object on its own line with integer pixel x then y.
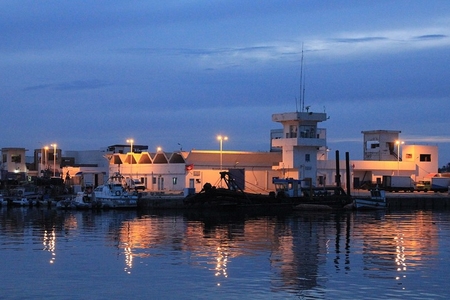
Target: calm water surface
{"type": "Point", "coordinates": [51, 254]}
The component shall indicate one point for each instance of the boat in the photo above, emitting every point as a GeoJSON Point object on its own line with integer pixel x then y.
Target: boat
{"type": "Point", "coordinates": [25, 195]}
{"type": "Point", "coordinates": [113, 194]}
{"type": "Point", "coordinates": [80, 201]}
{"type": "Point", "coordinates": [288, 193]}
{"type": "Point", "coordinates": [20, 201]}
{"type": "Point", "coordinates": [65, 204]}
{"type": "Point", "coordinates": [305, 196]}
{"type": "Point", "coordinates": [377, 200]}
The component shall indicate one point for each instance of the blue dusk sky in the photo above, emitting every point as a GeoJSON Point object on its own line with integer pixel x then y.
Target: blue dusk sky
{"type": "Point", "coordinates": [89, 74]}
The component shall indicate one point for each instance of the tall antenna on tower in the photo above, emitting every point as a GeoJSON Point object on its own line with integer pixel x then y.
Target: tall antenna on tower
{"type": "Point", "coordinates": [302, 91]}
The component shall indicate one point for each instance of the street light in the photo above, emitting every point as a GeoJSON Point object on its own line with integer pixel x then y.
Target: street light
{"type": "Point", "coordinates": [221, 139]}
{"type": "Point", "coordinates": [45, 162]}
{"type": "Point", "coordinates": [54, 159]}
{"type": "Point", "coordinates": [398, 143]}
{"type": "Point", "coordinates": [131, 141]}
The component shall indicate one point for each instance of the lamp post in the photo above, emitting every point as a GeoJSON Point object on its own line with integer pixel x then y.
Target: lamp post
{"type": "Point", "coordinates": [398, 143]}
{"type": "Point", "coordinates": [221, 139]}
{"type": "Point", "coordinates": [54, 159]}
{"type": "Point", "coordinates": [131, 141]}
{"type": "Point", "coordinates": [45, 157]}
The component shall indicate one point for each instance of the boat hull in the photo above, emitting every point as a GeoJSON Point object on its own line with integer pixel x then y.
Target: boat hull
{"type": "Point", "coordinates": [370, 203]}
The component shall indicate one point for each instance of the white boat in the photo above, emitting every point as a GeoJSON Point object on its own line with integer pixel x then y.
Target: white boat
{"type": "Point", "coordinates": [65, 204]}
{"type": "Point", "coordinates": [114, 195]}
{"type": "Point", "coordinates": [377, 200]}
{"type": "Point", "coordinates": [79, 202]}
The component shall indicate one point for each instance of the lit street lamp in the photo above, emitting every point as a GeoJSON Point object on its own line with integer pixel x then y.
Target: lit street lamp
{"type": "Point", "coordinates": [54, 159]}
{"type": "Point", "coordinates": [221, 139]}
{"type": "Point", "coordinates": [44, 161]}
{"type": "Point", "coordinates": [131, 141]}
{"type": "Point", "coordinates": [398, 155]}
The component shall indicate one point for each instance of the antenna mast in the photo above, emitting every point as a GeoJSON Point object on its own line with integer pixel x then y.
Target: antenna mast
{"type": "Point", "coordinates": [302, 91]}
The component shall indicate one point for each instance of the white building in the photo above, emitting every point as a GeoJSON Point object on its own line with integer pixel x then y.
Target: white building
{"type": "Point", "coordinates": [300, 144]}
{"type": "Point", "coordinates": [298, 150]}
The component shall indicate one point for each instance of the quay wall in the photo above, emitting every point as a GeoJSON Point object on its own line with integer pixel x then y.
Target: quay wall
{"type": "Point", "coordinates": [415, 201]}
{"type": "Point", "coordinates": [396, 201]}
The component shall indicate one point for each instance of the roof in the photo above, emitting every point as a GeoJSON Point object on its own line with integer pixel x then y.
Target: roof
{"type": "Point", "coordinates": [234, 158]}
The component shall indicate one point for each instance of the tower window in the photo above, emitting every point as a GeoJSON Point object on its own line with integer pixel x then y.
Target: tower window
{"type": "Point", "coordinates": [425, 157]}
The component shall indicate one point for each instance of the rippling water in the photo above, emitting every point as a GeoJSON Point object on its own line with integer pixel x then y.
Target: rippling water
{"type": "Point", "coordinates": [55, 254]}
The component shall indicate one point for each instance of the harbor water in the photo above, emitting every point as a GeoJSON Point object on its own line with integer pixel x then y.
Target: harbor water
{"type": "Point", "coordinates": [54, 254]}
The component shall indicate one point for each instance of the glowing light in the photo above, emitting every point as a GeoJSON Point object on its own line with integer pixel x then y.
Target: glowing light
{"type": "Point", "coordinates": [130, 141]}
{"type": "Point", "coordinates": [221, 139]}
{"type": "Point", "coordinates": [54, 159]}
{"type": "Point", "coordinates": [398, 143]}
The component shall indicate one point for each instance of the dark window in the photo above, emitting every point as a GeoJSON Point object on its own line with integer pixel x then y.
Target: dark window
{"type": "Point", "coordinates": [425, 157]}
{"type": "Point", "coordinates": [16, 158]}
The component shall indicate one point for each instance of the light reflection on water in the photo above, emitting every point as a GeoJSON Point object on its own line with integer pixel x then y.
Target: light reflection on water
{"type": "Point", "coordinates": [187, 255]}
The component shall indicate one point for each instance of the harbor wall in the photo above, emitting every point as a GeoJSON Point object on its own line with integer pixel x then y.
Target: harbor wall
{"type": "Point", "coordinates": [417, 202]}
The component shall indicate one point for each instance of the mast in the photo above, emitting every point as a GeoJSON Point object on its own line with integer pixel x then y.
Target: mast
{"type": "Point", "coordinates": [302, 85]}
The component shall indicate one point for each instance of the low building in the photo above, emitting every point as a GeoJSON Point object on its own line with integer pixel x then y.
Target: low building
{"type": "Point", "coordinates": [298, 150]}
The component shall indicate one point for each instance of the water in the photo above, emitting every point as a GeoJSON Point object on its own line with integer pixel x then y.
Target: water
{"type": "Point", "coordinates": [51, 254]}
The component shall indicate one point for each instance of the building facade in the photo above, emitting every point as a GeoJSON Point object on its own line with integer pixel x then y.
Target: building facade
{"type": "Point", "coordinates": [298, 150]}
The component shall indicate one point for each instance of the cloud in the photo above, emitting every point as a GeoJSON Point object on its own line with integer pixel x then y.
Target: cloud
{"type": "Point", "coordinates": [427, 139]}
{"type": "Point", "coordinates": [70, 86]}
{"type": "Point", "coordinates": [341, 45]}
{"type": "Point", "coordinates": [431, 36]}
{"type": "Point", "coordinates": [360, 39]}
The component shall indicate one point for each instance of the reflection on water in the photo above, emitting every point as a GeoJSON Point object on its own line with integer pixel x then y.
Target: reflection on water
{"type": "Point", "coordinates": [49, 243]}
{"type": "Point", "coordinates": [225, 255]}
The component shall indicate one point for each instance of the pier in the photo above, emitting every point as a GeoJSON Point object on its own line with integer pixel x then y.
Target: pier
{"type": "Point", "coordinates": [415, 200]}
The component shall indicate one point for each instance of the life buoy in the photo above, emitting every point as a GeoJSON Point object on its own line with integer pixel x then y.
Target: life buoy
{"type": "Point", "coordinates": [117, 193]}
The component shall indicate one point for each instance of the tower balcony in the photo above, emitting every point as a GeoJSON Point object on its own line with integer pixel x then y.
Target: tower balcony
{"type": "Point", "coordinates": [301, 142]}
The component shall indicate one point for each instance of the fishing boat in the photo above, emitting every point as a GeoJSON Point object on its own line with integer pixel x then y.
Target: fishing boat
{"type": "Point", "coordinates": [288, 193]}
{"type": "Point", "coordinates": [377, 200]}
{"type": "Point", "coordinates": [114, 195]}
{"type": "Point", "coordinates": [304, 196]}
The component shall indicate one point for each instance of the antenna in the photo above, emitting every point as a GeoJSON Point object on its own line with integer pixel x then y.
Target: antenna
{"type": "Point", "coordinates": [301, 82]}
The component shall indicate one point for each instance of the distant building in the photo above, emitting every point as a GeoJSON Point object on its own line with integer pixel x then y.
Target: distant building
{"type": "Point", "coordinates": [13, 166]}
{"type": "Point", "coordinates": [298, 150]}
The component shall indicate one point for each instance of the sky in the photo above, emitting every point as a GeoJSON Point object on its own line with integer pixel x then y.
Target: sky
{"type": "Point", "coordinates": [174, 74]}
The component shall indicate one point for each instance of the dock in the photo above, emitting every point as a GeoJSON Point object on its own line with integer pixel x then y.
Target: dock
{"type": "Point", "coordinates": [413, 200]}
{"type": "Point", "coordinates": [396, 201]}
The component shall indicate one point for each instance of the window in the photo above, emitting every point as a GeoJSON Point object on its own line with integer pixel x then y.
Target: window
{"type": "Point", "coordinates": [425, 157]}
{"type": "Point", "coordinates": [373, 145]}
{"type": "Point", "coordinates": [307, 157]}
{"type": "Point", "coordinates": [408, 155]}
{"type": "Point", "coordinates": [308, 132]}
{"type": "Point", "coordinates": [16, 158]}
{"type": "Point", "coordinates": [293, 131]}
